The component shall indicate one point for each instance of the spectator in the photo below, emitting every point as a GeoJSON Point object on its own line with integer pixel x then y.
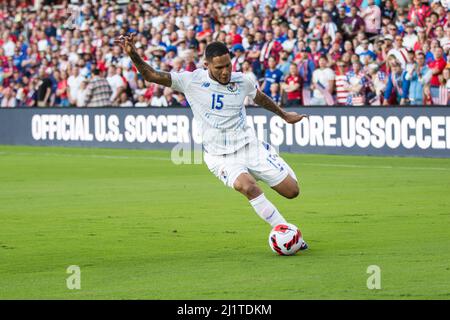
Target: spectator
{"type": "Point", "coordinates": [352, 24]}
{"type": "Point", "coordinates": [284, 63]}
{"type": "Point", "coordinates": [74, 83]}
{"type": "Point", "coordinates": [235, 36]}
{"type": "Point", "coordinates": [123, 100]}
{"type": "Point", "coordinates": [409, 38]}
{"type": "Point", "coordinates": [331, 8]}
{"type": "Point", "coordinates": [115, 81]}
{"type": "Point", "coordinates": [293, 86]}
{"type": "Point", "coordinates": [388, 10]}
{"type": "Point", "coordinates": [418, 13]}
{"type": "Point", "coordinates": [254, 52]}
{"type": "Point", "coordinates": [326, 44]}
{"type": "Point", "coordinates": [418, 75]}
{"type": "Point", "coordinates": [356, 80]}
{"type": "Point", "coordinates": [44, 90]}
{"type": "Point", "coordinates": [306, 66]}
{"type": "Point", "coordinates": [22, 92]}
{"type": "Point", "coordinates": [392, 30]}
{"type": "Point", "coordinates": [329, 27]}
{"type": "Point", "coordinates": [32, 94]}
{"type": "Point", "coordinates": [190, 63]}
{"type": "Point", "coordinates": [376, 85]}
{"type": "Point", "coordinates": [62, 90]}
{"type": "Point", "coordinates": [314, 50]}
{"type": "Point", "coordinates": [140, 90]}
{"type": "Point", "coordinates": [271, 48]}
{"type": "Point", "coordinates": [55, 77]}
{"type": "Point", "coordinates": [8, 100]}
{"type": "Point", "coordinates": [289, 44]}
{"type": "Point", "coordinates": [421, 39]}
{"type": "Point", "coordinates": [322, 83]}
{"type": "Point", "coordinates": [239, 57]}
{"type": "Point", "coordinates": [427, 99]}
{"type": "Point", "coordinates": [445, 87]}
{"type": "Point", "coordinates": [247, 71]}
{"type": "Point", "coordinates": [130, 77]}
{"type": "Point", "coordinates": [342, 15]}
{"type": "Point", "coordinates": [436, 66]}
{"type": "Point", "coordinates": [342, 84]}
{"type": "Point", "coordinates": [98, 92]}
{"type": "Point", "coordinates": [398, 51]}
{"type": "Point", "coordinates": [170, 97]}
{"type": "Point", "coordinates": [366, 56]}
{"type": "Point", "coordinates": [81, 94]}
{"type": "Point", "coordinates": [372, 18]}
{"type": "Point", "coordinates": [8, 44]}
{"type": "Point", "coordinates": [158, 99]}
{"type": "Point", "coordinates": [334, 54]}
{"type": "Point", "coordinates": [272, 75]}
{"type": "Point", "coordinates": [141, 102]}
{"type": "Point", "coordinates": [395, 91]}
{"type": "Point", "coordinates": [275, 92]}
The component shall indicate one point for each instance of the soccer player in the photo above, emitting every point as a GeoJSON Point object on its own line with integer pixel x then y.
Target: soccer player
{"type": "Point", "coordinates": [231, 150]}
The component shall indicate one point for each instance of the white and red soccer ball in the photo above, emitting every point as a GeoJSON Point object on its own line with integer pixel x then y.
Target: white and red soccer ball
{"type": "Point", "coordinates": [285, 239]}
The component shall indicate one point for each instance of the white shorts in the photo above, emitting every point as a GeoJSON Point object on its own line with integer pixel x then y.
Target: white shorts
{"type": "Point", "coordinates": [257, 158]}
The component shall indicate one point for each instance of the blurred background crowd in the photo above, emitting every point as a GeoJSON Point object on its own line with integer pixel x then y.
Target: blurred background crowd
{"type": "Point", "coordinates": [301, 52]}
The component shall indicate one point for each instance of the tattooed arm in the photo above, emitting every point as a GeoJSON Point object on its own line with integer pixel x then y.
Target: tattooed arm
{"type": "Point", "coordinates": [147, 72]}
{"type": "Point", "coordinates": [264, 101]}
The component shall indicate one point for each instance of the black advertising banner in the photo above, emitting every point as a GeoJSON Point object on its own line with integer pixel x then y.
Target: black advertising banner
{"type": "Point", "coordinates": [407, 131]}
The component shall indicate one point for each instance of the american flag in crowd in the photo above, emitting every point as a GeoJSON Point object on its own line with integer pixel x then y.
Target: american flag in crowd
{"type": "Point", "coordinates": [442, 99]}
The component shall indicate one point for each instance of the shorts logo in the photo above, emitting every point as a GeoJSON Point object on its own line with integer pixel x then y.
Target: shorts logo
{"type": "Point", "coordinates": [272, 159]}
{"type": "Point", "coordinates": [223, 175]}
{"type": "Point", "coordinates": [232, 87]}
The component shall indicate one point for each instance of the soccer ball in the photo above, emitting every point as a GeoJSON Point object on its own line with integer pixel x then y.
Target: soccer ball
{"type": "Point", "coordinates": [285, 239]}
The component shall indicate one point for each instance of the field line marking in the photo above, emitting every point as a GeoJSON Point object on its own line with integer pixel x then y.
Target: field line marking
{"type": "Point", "coordinates": [317, 164]}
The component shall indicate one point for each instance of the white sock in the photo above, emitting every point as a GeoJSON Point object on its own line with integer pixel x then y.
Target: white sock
{"type": "Point", "coordinates": [267, 211]}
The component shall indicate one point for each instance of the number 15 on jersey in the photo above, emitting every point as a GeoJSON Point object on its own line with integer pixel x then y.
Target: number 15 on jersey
{"type": "Point", "coordinates": [217, 102]}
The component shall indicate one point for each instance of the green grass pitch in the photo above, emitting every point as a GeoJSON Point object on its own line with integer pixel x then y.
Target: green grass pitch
{"type": "Point", "coordinates": [140, 227]}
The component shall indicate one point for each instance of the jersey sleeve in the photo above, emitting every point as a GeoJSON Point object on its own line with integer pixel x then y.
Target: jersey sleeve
{"type": "Point", "coordinates": [181, 80]}
{"type": "Point", "coordinates": [250, 86]}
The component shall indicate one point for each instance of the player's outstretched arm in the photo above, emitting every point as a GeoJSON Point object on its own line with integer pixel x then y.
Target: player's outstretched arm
{"type": "Point", "coordinates": [149, 74]}
{"type": "Point", "coordinates": [264, 101]}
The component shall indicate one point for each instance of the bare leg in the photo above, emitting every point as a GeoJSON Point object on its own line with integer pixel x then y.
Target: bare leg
{"type": "Point", "coordinates": [288, 188]}
{"type": "Point", "coordinates": [247, 185]}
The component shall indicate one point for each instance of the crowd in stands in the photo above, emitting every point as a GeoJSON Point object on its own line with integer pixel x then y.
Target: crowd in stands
{"type": "Point", "coordinates": [301, 52]}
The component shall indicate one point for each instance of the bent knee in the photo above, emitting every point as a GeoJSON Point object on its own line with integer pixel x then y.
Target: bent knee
{"type": "Point", "coordinates": [250, 189]}
{"type": "Point", "coordinates": [293, 192]}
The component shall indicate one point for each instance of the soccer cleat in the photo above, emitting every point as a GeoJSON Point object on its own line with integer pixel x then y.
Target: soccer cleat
{"type": "Point", "coordinates": [304, 246]}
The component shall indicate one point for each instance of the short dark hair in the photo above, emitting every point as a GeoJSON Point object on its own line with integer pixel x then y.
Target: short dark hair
{"type": "Point", "coordinates": [215, 49]}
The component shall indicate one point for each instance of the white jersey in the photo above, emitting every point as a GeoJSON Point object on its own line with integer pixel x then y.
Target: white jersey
{"type": "Point", "coordinates": [219, 109]}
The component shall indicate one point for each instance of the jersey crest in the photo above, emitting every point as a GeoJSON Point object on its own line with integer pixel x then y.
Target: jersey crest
{"type": "Point", "coordinates": [232, 87]}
